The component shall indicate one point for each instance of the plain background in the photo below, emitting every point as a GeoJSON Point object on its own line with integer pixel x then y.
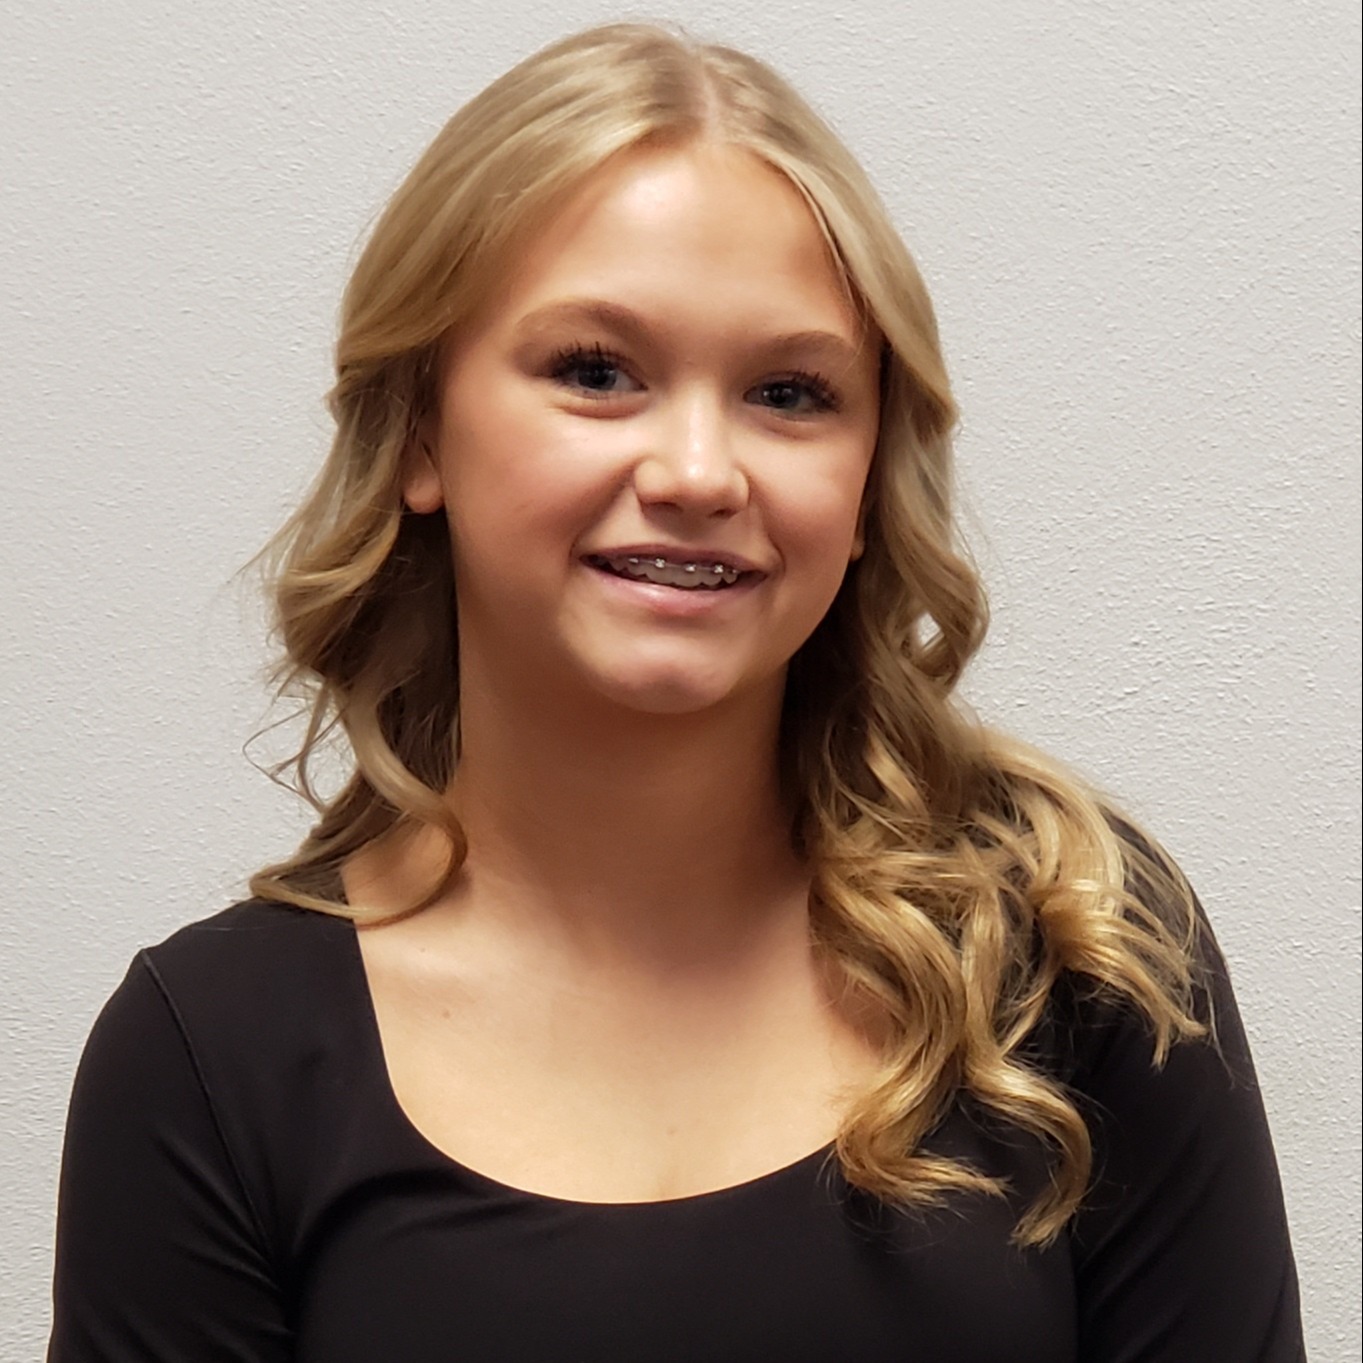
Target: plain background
{"type": "Point", "coordinates": [1140, 225]}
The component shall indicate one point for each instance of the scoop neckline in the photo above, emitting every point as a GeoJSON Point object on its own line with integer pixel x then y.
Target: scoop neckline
{"type": "Point", "coordinates": [814, 1160]}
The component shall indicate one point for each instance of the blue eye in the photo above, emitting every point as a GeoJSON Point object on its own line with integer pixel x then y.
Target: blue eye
{"type": "Point", "coordinates": [595, 372]}
{"type": "Point", "coordinates": [589, 369]}
{"type": "Point", "coordinates": [799, 394]}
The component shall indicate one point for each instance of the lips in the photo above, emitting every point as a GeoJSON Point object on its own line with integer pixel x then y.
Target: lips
{"type": "Point", "coordinates": [687, 573]}
{"type": "Point", "coordinates": [687, 576]}
{"type": "Point", "coordinates": [678, 553]}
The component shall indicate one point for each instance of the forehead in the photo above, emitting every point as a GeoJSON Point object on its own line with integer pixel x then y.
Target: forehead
{"type": "Point", "coordinates": [700, 237]}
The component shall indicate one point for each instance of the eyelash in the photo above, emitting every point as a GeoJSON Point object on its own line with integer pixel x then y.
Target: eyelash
{"type": "Point", "coordinates": [569, 358]}
{"type": "Point", "coordinates": [580, 357]}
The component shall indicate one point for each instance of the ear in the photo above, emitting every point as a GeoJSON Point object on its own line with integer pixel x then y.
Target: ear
{"type": "Point", "coordinates": [859, 534]}
{"type": "Point", "coordinates": [421, 487]}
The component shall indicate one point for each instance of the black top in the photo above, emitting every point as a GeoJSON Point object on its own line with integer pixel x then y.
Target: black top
{"type": "Point", "coordinates": [239, 1183]}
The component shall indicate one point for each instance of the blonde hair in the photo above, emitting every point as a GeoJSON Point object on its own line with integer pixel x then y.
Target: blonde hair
{"type": "Point", "coordinates": [956, 874]}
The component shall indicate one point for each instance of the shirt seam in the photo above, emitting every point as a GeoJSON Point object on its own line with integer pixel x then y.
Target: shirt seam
{"type": "Point", "coordinates": [144, 957]}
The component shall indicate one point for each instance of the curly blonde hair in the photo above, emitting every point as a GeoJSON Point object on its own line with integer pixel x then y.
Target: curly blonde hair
{"type": "Point", "coordinates": [956, 874]}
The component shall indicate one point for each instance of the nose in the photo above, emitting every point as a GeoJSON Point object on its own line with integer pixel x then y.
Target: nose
{"type": "Point", "coordinates": [690, 462]}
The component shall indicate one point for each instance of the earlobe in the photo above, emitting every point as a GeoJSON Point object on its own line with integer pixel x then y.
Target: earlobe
{"type": "Point", "coordinates": [858, 538]}
{"type": "Point", "coordinates": [421, 489]}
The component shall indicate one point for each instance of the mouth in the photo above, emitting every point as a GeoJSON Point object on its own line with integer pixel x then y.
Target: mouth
{"type": "Point", "coordinates": [685, 574]}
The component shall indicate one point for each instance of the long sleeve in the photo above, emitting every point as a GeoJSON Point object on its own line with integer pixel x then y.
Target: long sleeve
{"type": "Point", "coordinates": [1182, 1253]}
{"type": "Point", "coordinates": [160, 1256]}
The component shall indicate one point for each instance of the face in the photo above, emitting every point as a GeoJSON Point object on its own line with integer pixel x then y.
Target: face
{"type": "Point", "coordinates": [651, 447]}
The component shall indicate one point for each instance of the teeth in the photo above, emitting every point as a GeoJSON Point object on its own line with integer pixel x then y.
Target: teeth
{"type": "Point", "coordinates": [687, 575]}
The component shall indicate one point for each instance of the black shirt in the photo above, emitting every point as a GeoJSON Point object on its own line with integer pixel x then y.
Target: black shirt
{"type": "Point", "coordinates": [239, 1183]}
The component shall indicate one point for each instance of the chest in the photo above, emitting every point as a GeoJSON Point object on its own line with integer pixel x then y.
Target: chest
{"type": "Point", "coordinates": [393, 1246]}
{"type": "Point", "coordinates": [442, 1264]}
{"type": "Point", "coordinates": [572, 1097]}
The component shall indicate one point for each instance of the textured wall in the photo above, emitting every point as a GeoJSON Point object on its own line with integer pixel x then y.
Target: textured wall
{"type": "Point", "coordinates": [1140, 223]}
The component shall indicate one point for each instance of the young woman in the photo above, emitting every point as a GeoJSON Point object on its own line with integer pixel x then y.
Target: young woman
{"type": "Point", "coordinates": [679, 976]}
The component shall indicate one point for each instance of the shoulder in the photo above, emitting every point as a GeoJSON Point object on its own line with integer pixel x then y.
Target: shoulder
{"type": "Point", "coordinates": [244, 1033]}
{"type": "Point", "coordinates": [272, 1004]}
{"type": "Point", "coordinates": [252, 950]}
{"type": "Point", "coordinates": [1170, 990]}
{"type": "Point", "coordinates": [250, 928]}
{"type": "Point", "coordinates": [260, 991]}
{"type": "Point", "coordinates": [225, 1002]}
{"type": "Point", "coordinates": [1101, 1043]}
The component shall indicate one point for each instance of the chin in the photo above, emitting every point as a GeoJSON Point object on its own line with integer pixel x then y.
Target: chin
{"type": "Point", "coordinates": [671, 696]}
{"type": "Point", "coordinates": [672, 690]}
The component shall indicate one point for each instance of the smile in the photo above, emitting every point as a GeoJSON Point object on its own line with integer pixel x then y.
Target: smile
{"type": "Point", "coordinates": [663, 572]}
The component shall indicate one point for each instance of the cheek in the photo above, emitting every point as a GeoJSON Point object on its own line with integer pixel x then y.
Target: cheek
{"type": "Point", "coordinates": [523, 483]}
{"type": "Point", "coordinates": [483, 431]}
{"type": "Point", "coordinates": [816, 513]}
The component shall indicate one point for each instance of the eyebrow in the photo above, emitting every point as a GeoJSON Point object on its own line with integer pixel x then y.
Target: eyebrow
{"type": "Point", "coordinates": [832, 348]}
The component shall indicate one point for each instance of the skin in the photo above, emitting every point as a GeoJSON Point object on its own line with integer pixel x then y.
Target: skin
{"type": "Point", "coordinates": [628, 940]}
{"type": "Point", "coordinates": [692, 440]}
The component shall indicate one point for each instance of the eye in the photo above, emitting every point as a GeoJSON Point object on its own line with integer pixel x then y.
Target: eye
{"type": "Point", "coordinates": [592, 371]}
{"type": "Point", "coordinates": [798, 394]}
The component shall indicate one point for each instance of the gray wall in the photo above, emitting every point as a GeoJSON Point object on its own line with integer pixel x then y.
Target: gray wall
{"type": "Point", "coordinates": [1140, 225]}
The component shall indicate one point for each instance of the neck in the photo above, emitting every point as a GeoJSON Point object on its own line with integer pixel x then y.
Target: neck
{"type": "Point", "coordinates": [610, 834]}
